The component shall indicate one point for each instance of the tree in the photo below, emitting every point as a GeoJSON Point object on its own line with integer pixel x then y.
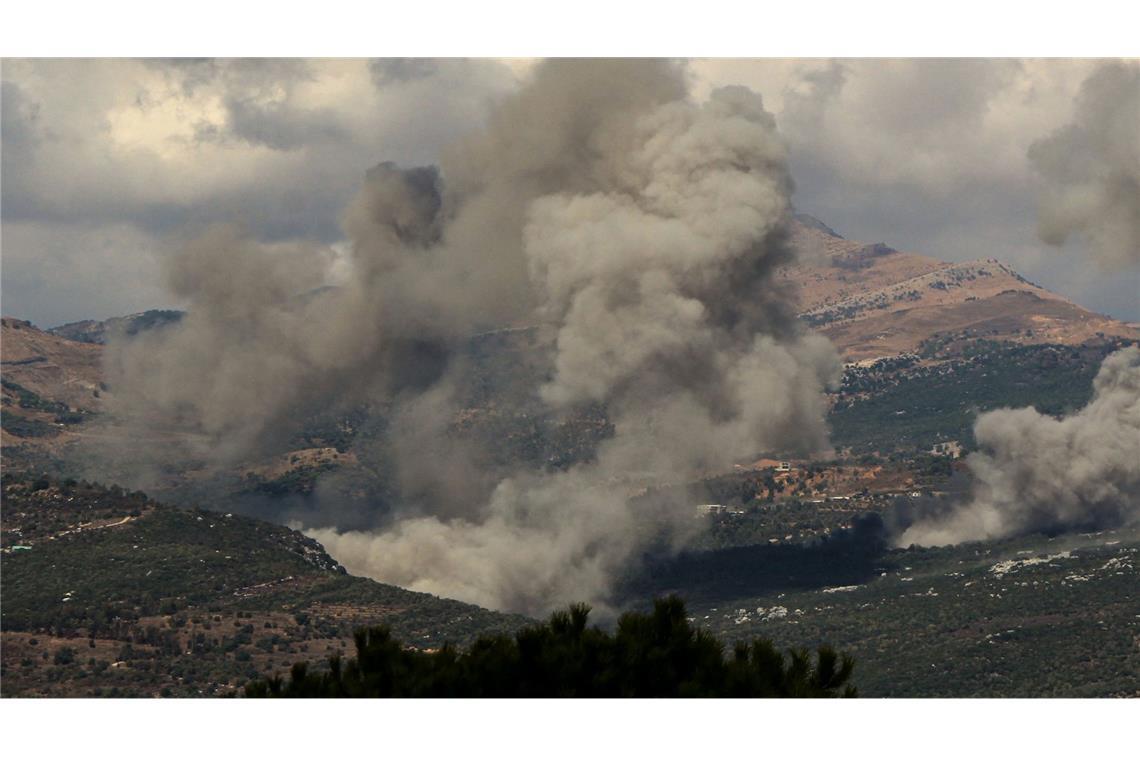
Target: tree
{"type": "Point", "coordinates": [653, 654]}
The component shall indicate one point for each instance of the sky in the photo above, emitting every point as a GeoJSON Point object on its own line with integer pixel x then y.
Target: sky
{"type": "Point", "coordinates": [109, 165]}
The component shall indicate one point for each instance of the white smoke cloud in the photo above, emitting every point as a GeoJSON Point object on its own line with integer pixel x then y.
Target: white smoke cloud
{"type": "Point", "coordinates": [1037, 473]}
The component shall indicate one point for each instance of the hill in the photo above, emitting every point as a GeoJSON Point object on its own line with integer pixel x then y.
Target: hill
{"type": "Point", "coordinates": [52, 367]}
{"type": "Point", "coordinates": [49, 387]}
{"type": "Point", "coordinates": [109, 592]}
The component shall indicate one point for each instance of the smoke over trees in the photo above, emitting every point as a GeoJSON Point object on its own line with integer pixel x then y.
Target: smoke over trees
{"type": "Point", "coordinates": [1037, 473]}
{"type": "Point", "coordinates": [638, 229]}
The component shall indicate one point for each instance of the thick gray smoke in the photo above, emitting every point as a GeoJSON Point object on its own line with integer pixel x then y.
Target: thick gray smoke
{"type": "Point", "coordinates": [1037, 473]}
{"type": "Point", "coordinates": [1091, 168]}
{"type": "Point", "coordinates": [640, 230]}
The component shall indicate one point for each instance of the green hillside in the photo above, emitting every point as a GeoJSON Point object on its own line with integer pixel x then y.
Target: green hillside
{"type": "Point", "coordinates": [906, 404]}
{"type": "Point", "coordinates": [188, 601]}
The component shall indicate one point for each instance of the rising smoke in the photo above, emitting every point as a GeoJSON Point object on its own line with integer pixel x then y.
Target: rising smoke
{"type": "Point", "coordinates": [1036, 473]}
{"type": "Point", "coordinates": [1091, 168]}
{"type": "Point", "coordinates": [639, 229]}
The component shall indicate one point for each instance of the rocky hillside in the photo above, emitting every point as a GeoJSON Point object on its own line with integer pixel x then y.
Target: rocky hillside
{"type": "Point", "coordinates": [873, 301]}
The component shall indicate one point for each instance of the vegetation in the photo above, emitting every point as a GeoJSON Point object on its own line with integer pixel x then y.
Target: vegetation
{"type": "Point", "coordinates": [107, 592]}
{"type": "Point", "coordinates": [28, 399]}
{"type": "Point", "coordinates": [655, 654]}
{"type": "Point", "coordinates": [190, 602]}
{"type": "Point", "coordinates": [28, 427]}
{"type": "Point", "coordinates": [1061, 621]}
{"type": "Point", "coordinates": [25, 427]}
{"type": "Point", "coordinates": [906, 406]}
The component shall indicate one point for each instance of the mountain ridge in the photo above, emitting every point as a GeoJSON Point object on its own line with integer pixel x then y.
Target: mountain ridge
{"type": "Point", "coordinates": [874, 302]}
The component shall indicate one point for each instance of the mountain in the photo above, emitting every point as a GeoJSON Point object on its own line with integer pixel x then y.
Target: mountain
{"type": "Point", "coordinates": [873, 301]}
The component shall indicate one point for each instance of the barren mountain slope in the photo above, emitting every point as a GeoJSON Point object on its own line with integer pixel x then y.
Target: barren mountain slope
{"type": "Point", "coordinates": [873, 301]}
{"type": "Point", "coordinates": [52, 367]}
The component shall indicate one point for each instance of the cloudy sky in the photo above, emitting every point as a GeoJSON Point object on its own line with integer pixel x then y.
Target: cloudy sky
{"type": "Point", "coordinates": [109, 164]}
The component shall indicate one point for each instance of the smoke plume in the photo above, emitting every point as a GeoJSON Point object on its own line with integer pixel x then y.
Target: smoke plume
{"type": "Point", "coordinates": [1091, 168]}
{"type": "Point", "coordinates": [1037, 473]}
{"type": "Point", "coordinates": [1034, 472]}
{"type": "Point", "coordinates": [637, 229]}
